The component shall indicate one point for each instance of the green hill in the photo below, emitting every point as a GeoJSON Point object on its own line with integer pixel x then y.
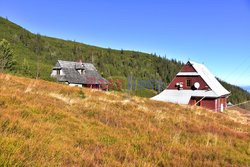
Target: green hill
{"type": "Point", "coordinates": [36, 55]}
{"type": "Point", "coordinates": [49, 124]}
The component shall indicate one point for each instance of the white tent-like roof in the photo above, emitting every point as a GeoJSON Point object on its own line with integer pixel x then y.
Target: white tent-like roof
{"type": "Point", "coordinates": [183, 96]}
{"type": "Point", "coordinates": [210, 79]}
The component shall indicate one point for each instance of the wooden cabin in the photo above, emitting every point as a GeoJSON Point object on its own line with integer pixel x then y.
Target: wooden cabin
{"type": "Point", "coordinates": [195, 85]}
{"type": "Point", "coordinates": [78, 74]}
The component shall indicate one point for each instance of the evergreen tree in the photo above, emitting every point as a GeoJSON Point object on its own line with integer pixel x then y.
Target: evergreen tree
{"type": "Point", "coordinates": [6, 56]}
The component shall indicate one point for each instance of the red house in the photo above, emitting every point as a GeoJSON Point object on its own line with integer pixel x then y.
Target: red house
{"type": "Point", "coordinates": [195, 85]}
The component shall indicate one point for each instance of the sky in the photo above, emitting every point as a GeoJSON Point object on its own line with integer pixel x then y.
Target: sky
{"type": "Point", "coordinates": [213, 32]}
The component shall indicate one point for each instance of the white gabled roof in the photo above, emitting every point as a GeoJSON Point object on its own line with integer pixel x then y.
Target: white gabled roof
{"type": "Point", "coordinates": [210, 79]}
{"type": "Point", "coordinates": [182, 96]}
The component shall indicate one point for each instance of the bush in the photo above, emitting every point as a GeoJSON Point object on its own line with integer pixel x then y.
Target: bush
{"type": "Point", "coordinates": [2, 104]}
{"type": "Point", "coordinates": [82, 95]}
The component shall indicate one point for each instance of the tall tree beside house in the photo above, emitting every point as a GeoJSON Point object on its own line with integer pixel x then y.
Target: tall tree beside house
{"type": "Point", "coordinates": [6, 56]}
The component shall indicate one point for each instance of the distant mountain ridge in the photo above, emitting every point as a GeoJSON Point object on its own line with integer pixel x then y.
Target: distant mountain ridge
{"type": "Point", "coordinates": [247, 88]}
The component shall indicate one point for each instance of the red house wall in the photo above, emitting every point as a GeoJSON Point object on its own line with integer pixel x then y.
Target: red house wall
{"type": "Point", "coordinates": [224, 100]}
{"type": "Point", "coordinates": [192, 101]}
{"type": "Point", "coordinates": [221, 100]}
{"type": "Point", "coordinates": [203, 85]}
{"type": "Point", "coordinates": [218, 104]}
{"type": "Point", "coordinates": [188, 68]}
{"type": "Point", "coordinates": [210, 103]}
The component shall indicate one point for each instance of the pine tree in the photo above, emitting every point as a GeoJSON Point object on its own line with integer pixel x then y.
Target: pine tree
{"type": "Point", "coordinates": [6, 55]}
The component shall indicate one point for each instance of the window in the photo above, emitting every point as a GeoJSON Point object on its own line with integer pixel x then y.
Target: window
{"type": "Point", "coordinates": [58, 72]}
{"type": "Point", "coordinates": [82, 71]}
{"type": "Point", "coordinates": [188, 83]}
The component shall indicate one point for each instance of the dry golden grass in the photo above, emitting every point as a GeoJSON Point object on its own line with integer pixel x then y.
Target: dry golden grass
{"type": "Point", "coordinates": [239, 115]}
{"type": "Point", "coordinates": [50, 124]}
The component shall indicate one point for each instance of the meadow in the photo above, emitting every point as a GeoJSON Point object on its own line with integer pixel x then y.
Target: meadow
{"type": "Point", "coordinates": [45, 123]}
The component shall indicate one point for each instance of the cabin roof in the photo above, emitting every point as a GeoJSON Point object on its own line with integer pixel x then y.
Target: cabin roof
{"type": "Point", "coordinates": [76, 65]}
{"type": "Point", "coordinates": [182, 96]}
{"type": "Point", "coordinates": [209, 78]}
{"type": "Point", "coordinates": [71, 74]}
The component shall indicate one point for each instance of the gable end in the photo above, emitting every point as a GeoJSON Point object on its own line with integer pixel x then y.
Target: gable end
{"type": "Point", "coordinates": [188, 68]}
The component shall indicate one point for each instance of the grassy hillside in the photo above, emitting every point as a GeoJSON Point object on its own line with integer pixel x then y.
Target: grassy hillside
{"type": "Point", "coordinates": [36, 55]}
{"type": "Point", "coordinates": [48, 124]}
{"type": "Point", "coordinates": [238, 95]}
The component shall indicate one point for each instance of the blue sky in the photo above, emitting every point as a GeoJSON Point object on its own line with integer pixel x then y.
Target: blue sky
{"type": "Point", "coordinates": [213, 32]}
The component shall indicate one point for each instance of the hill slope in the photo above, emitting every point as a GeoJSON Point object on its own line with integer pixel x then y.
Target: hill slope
{"type": "Point", "coordinates": [49, 124]}
{"type": "Point", "coordinates": [36, 55]}
{"type": "Point", "coordinates": [31, 48]}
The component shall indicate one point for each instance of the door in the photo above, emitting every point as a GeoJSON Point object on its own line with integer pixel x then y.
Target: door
{"type": "Point", "coordinates": [221, 107]}
{"type": "Point", "coordinates": [215, 107]}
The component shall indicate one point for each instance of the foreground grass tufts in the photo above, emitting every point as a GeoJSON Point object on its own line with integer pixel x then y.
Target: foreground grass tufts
{"type": "Point", "coordinates": [56, 125]}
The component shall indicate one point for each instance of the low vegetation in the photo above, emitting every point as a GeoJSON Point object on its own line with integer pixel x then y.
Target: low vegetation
{"type": "Point", "coordinates": [48, 124]}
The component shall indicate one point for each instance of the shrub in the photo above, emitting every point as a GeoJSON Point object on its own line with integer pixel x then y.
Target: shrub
{"type": "Point", "coordinates": [2, 104]}
{"type": "Point", "coordinates": [82, 95]}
